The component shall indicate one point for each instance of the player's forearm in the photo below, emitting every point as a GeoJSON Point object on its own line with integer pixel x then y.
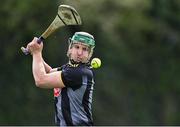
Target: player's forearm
{"type": "Point", "coordinates": [47, 67]}
{"type": "Point", "coordinates": [38, 68]}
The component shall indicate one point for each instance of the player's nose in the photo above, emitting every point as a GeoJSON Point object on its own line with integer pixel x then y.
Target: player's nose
{"type": "Point", "coordinates": [80, 51]}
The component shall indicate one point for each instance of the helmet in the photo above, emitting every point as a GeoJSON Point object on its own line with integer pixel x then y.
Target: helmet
{"type": "Point", "coordinates": [83, 37]}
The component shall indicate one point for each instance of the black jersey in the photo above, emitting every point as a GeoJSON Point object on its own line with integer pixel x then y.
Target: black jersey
{"type": "Point", "coordinates": [73, 104]}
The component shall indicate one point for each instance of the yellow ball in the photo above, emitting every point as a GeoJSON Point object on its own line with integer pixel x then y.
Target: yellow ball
{"type": "Point", "coordinates": [95, 63]}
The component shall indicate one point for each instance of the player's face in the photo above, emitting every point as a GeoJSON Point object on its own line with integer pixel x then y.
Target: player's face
{"type": "Point", "coordinates": [79, 52]}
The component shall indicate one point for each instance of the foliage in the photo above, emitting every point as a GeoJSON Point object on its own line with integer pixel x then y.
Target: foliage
{"type": "Point", "coordinates": [137, 41]}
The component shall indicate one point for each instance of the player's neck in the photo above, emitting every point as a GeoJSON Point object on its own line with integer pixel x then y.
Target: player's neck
{"type": "Point", "coordinates": [71, 61]}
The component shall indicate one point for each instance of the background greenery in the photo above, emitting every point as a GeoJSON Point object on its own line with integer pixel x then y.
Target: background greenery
{"type": "Point", "coordinates": [137, 40]}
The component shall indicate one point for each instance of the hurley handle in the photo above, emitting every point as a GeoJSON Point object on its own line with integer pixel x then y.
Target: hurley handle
{"type": "Point", "coordinates": [26, 51]}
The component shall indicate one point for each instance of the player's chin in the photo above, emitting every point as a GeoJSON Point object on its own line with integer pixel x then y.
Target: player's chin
{"type": "Point", "coordinates": [78, 60]}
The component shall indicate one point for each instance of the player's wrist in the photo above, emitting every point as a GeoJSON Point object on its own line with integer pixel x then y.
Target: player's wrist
{"type": "Point", "coordinates": [36, 54]}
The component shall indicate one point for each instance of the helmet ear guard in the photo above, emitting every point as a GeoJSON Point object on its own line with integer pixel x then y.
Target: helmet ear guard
{"type": "Point", "coordinates": [69, 41]}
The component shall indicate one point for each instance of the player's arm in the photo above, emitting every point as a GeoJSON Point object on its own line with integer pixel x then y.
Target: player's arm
{"type": "Point", "coordinates": [43, 79]}
{"type": "Point", "coordinates": [48, 68]}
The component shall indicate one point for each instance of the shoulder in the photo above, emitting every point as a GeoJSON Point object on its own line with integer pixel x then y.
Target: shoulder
{"type": "Point", "coordinates": [73, 76]}
{"type": "Point", "coordinates": [86, 70]}
{"type": "Point", "coordinates": [78, 70]}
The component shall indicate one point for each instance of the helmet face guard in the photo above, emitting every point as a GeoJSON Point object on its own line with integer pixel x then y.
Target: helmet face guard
{"type": "Point", "coordinates": [83, 37]}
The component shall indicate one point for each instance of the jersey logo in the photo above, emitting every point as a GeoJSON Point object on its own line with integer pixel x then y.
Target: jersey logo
{"type": "Point", "coordinates": [57, 92]}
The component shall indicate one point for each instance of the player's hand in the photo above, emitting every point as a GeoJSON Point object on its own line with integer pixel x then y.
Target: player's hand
{"type": "Point", "coordinates": [34, 47]}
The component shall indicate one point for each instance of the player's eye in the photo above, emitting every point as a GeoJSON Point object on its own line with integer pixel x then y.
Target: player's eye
{"type": "Point", "coordinates": [76, 46]}
{"type": "Point", "coordinates": [85, 49]}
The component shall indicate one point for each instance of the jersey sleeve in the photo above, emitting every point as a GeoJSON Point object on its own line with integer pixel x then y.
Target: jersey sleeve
{"type": "Point", "coordinates": [72, 77]}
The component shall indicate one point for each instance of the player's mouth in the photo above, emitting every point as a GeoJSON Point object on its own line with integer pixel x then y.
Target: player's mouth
{"type": "Point", "coordinates": [79, 59]}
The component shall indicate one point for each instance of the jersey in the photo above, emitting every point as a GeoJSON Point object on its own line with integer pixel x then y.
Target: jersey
{"type": "Point", "coordinates": [73, 106]}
